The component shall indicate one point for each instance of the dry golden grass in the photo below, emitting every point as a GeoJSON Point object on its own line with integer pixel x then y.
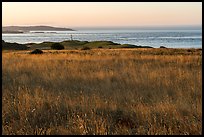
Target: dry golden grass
{"type": "Point", "coordinates": [139, 91]}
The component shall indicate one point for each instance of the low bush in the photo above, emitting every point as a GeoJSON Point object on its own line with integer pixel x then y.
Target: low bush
{"type": "Point", "coordinates": [57, 46]}
{"type": "Point", "coordinates": [36, 51]}
{"type": "Point", "coordinates": [162, 47]}
{"type": "Point", "coordinates": [85, 48]}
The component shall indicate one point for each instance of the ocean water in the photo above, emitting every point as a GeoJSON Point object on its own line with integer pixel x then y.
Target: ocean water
{"type": "Point", "coordinates": [154, 38]}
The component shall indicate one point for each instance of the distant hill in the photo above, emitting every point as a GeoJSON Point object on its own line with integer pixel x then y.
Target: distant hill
{"type": "Point", "coordinates": [32, 28]}
{"type": "Point", "coordinates": [12, 32]}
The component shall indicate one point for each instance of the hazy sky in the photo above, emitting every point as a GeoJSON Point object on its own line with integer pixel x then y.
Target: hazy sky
{"type": "Point", "coordinates": [94, 14]}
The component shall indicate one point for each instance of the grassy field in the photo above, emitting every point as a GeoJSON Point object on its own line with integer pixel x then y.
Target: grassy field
{"type": "Point", "coordinates": [102, 91]}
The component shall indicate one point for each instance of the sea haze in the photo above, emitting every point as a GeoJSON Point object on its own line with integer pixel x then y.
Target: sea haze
{"type": "Point", "coordinates": [172, 37]}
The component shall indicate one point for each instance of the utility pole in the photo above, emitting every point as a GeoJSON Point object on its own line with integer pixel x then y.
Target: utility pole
{"type": "Point", "coordinates": [71, 37]}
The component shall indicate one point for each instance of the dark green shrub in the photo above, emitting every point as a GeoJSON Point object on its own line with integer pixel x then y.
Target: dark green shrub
{"type": "Point", "coordinates": [13, 46]}
{"type": "Point", "coordinates": [162, 47]}
{"type": "Point", "coordinates": [36, 51]}
{"type": "Point", "coordinates": [57, 46]}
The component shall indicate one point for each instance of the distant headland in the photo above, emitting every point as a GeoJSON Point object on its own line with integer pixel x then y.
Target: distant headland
{"type": "Point", "coordinates": [22, 29]}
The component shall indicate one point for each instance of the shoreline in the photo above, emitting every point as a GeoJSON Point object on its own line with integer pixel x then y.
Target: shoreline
{"type": "Point", "coordinates": [170, 52]}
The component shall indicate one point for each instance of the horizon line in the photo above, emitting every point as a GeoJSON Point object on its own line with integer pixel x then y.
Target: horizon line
{"type": "Point", "coordinates": [197, 26]}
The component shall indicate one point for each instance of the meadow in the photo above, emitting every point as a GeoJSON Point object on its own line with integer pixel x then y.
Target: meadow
{"type": "Point", "coordinates": [102, 92]}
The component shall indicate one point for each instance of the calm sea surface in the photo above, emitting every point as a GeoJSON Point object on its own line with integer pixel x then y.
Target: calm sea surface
{"type": "Point", "coordinates": [154, 38]}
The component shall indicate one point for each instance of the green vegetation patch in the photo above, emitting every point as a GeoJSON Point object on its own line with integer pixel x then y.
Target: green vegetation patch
{"type": "Point", "coordinates": [43, 45]}
{"type": "Point", "coordinates": [104, 44]}
{"type": "Point", "coordinates": [69, 44]}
